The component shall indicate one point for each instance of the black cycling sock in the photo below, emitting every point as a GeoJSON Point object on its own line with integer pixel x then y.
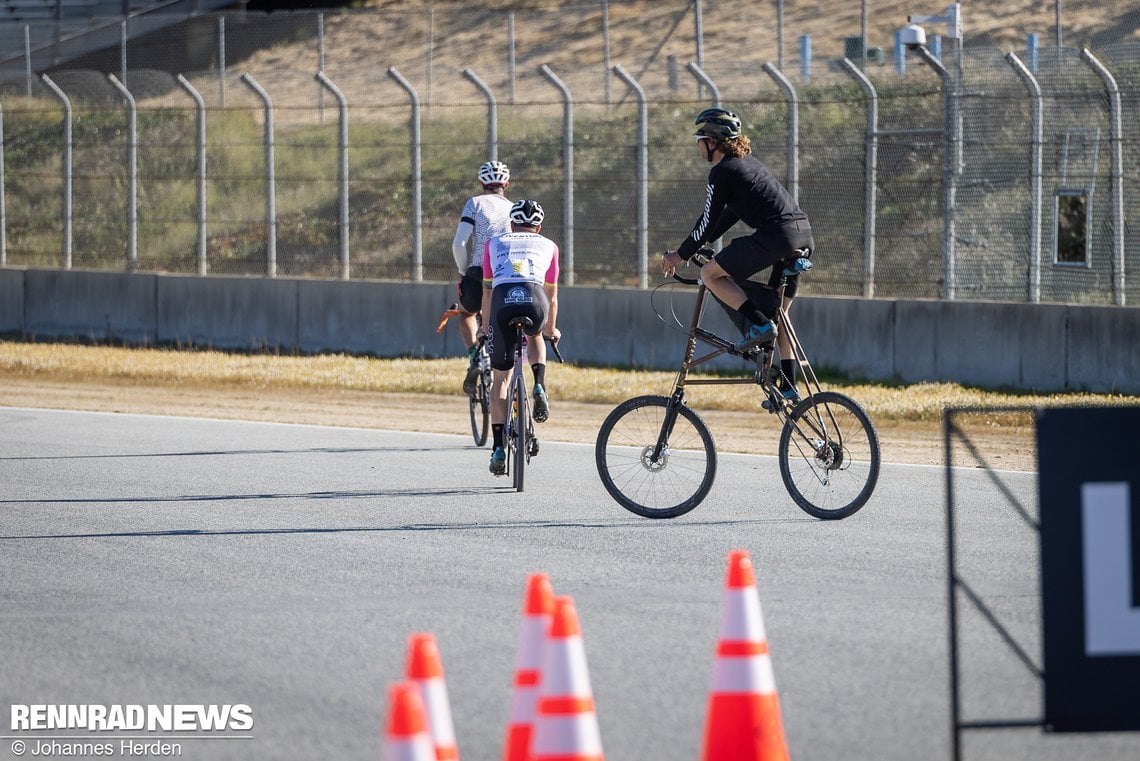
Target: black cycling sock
{"type": "Point", "coordinates": [497, 434]}
{"type": "Point", "coordinates": [788, 368]}
{"type": "Point", "coordinates": [539, 374]}
{"type": "Point", "coordinates": [753, 314]}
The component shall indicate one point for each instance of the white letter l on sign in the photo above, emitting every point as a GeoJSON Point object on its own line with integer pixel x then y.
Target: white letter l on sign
{"type": "Point", "coordinates": [1112, 624]}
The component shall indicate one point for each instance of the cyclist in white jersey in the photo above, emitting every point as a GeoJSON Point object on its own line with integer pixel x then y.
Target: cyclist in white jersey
{"type": "Point", "coordinates": [484, 216]}
{"type": "Point", "coordinates": [520, 279]}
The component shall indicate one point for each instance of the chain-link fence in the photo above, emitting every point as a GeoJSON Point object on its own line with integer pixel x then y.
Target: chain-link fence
{"type": "Point", "coordinates": [235, 158]}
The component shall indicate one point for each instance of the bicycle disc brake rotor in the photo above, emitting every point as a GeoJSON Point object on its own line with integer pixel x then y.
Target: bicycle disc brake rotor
{"type": "Point", "coordinates": [650, 464]}
{"type": "Point", "coordinates": [829, 454]}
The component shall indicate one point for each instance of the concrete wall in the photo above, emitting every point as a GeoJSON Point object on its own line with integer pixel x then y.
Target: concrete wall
{"type": "Point", "coordinates": [1046, 347]}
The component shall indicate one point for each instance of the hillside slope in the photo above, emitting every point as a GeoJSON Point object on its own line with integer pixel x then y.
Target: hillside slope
{"type": "Point", "coordinates": [729, 23]}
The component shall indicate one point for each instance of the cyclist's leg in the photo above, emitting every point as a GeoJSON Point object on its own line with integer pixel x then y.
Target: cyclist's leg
{"type": "Point", "coordinates": [734, 264]}
{"type": "Point", "coordinates": [470, 301]}
{"type": "Point", "coordinates": [539, 309]}
{"type": "Point", "coordinates": [500, 348]}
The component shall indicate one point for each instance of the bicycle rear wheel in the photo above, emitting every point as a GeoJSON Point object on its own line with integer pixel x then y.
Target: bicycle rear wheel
{"type": "Point", "coordinates": [829, 455]}
{"type": "Point", "coordinates": [674, 482]}
{"type": "Point", "coordinates": [519, 431]}
{"type": "Point", "coordinates": [480, 404]}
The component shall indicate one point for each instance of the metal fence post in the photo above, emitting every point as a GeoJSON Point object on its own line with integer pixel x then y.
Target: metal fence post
{"type": "Point", "coordinates": [342, 173]}
{"type": "Point", "coordinates": [608, 79]}
{"type": "Point", "coordinates": [222, 59]}
{"type": "Point", "coordinates": [132, 175]}
{"type": "Point", "coordinates": [567, 171]}
{"type": "Point", "coordinates": [1115, 132]}
{"type": "Point", "coordinates": [1037, 133]}
{"type": "Point", "coordinates": [511, 55]}
{"type": "Point", "coordinates": [28, 57]}
{"type": "Point", "coordinates": [870, 176]}
{"type": "Point", "coordinates": [320, 65]}
{"type": "Point", "coordinates": [949, 173]}
{"type": "Point", "coordinates": [699, 40]}
{"type": "Point", "coordinates": [270, 179]}
{"type": "Point", "coordinates": [3, 207]}
{"type": "Point", "coordinates": [200, 147]}
{"type": "Point", "coordinates": [67, 148]}
{"type": "Point", "coordinates": [642, 177]}
{"type": "Point", "coordinates": [492, 114]}
{"type": "Point", "coordinates": [704, 78]}
{"type": "Point", "coordinates": [417, 189]}
{"type": "Point", "coordinates": [793, 129]}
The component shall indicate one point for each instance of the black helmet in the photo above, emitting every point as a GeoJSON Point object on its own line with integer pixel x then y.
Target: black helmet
{"type": "Point", "coordinates": [527, 213]}
{"type": "Point", "coordinates": [718, 124]}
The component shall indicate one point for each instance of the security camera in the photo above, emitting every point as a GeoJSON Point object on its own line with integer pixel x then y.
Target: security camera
{"type": "Point", "coordinates": [913, 36]}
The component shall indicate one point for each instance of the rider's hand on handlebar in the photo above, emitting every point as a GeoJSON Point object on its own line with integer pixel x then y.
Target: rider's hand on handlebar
{"type": "Point", "coordinates": [669, 262]}
{"type": "Point", "coordinates": [554, 335]}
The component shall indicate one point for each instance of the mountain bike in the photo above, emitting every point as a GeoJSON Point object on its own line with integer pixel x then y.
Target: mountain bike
{"type": "Point", "coordinates": [519, 440]}
{"type": "Point", "coordinates": [479, 402]}
{"type": "Point", "coordinates": [657, 458]}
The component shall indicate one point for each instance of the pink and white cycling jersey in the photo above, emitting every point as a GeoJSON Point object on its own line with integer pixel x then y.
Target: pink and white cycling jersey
{"type": "Point", "coordinates": [520, 257]}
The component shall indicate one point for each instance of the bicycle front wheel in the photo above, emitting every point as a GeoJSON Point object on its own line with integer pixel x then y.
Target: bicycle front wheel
{"type": "Point", "coordinates": [829, 455]}
{"type": "Point", "coordinates": [655, 458]}
{"type": "Point", "coordinates": [480, 407]}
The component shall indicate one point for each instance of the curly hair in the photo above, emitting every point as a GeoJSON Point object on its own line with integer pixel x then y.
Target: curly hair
{"type": "Point", "coordinates": [737, 147]}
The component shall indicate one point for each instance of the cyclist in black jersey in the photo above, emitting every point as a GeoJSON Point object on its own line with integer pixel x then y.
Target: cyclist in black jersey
{"type": "Point", "coordinates": [740, 188]}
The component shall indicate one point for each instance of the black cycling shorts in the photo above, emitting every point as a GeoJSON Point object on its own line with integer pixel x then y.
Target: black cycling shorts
{"type": "Point", "coordinates": [509, 301]}
{"type": "Point", "coordinates": [744, 257]}
{"type": "Point", "coordinates": [471, 290]}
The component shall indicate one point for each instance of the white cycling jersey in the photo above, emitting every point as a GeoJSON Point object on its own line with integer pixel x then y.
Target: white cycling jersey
{"type": "Point", "coordinates": [484, 216]}
{"type": "Point", "coordinates": [520, 257]}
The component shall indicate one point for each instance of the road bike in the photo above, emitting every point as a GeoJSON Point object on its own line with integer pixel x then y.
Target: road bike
{"type": "Point", "coordinates": [657, 458]}
{"type": "Point", "coordinates": [479, 402]}
{"type": "Point", "coordinates": [519, 439]}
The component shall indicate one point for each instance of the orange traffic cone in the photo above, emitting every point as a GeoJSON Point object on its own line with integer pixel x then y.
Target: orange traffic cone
{"type": "Point", "coordinates": [566, 726]}
{"type": "Point", "coordinates": [537, 609]}
{"type": "Point", "coordinates": [425, 670]}
{"type": "Point", "coordinates": [744, 711]}
{"type": "Point", "coordinates": [406, 735]}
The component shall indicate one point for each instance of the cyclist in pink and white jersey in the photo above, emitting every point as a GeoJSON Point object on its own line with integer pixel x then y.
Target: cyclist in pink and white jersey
{"type": "Point", "coordinates": [520, 279]}
{"type": "Point", "coordinates": [483, 217]}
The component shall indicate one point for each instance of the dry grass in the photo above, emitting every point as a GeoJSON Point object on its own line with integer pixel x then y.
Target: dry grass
{"type": "Point", "coordinates": [922, 402]}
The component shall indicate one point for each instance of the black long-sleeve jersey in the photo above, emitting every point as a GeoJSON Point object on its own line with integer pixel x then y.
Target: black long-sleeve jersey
{"type": "Point", "coordinates": [741, 189]}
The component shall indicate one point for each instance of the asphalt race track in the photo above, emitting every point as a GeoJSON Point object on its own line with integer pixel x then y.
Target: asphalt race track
{"type": "Point", "coordinates": [156, 560]}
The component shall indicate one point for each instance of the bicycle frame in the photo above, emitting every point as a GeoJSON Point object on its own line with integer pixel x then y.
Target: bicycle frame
{"type": "Point", "coordinates": [763, 377]}
{"type": "Point", "coordinates": [519, 429]}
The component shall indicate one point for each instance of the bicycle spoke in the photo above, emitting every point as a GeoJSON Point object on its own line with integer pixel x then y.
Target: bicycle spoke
{"type": "Point", "coordinates": [670, 484]}
{"type": "Point", "coordinates": [829, 456]}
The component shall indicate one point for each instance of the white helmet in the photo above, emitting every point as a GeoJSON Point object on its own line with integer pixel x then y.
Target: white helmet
{"type": "Point", "coordinates": [494, 173]}
{"type": "Point", "coordinates": [527, 213]}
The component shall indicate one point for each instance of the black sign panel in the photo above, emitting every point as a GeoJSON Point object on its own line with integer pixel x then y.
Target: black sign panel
{"type": "Point", "coordinates": [1089, 476]}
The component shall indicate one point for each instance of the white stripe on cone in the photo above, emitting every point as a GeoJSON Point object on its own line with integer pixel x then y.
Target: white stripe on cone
{"type": "Point", "coordinates": [434, 693]}
{"type": "Point", "coordinates": [529, 660]}
{"type": "Point", "coordinates": [418, 748]}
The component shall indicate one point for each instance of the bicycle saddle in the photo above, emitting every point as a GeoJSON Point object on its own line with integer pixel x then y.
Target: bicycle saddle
{"type": "Point", "coordinates": [524, 322]}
